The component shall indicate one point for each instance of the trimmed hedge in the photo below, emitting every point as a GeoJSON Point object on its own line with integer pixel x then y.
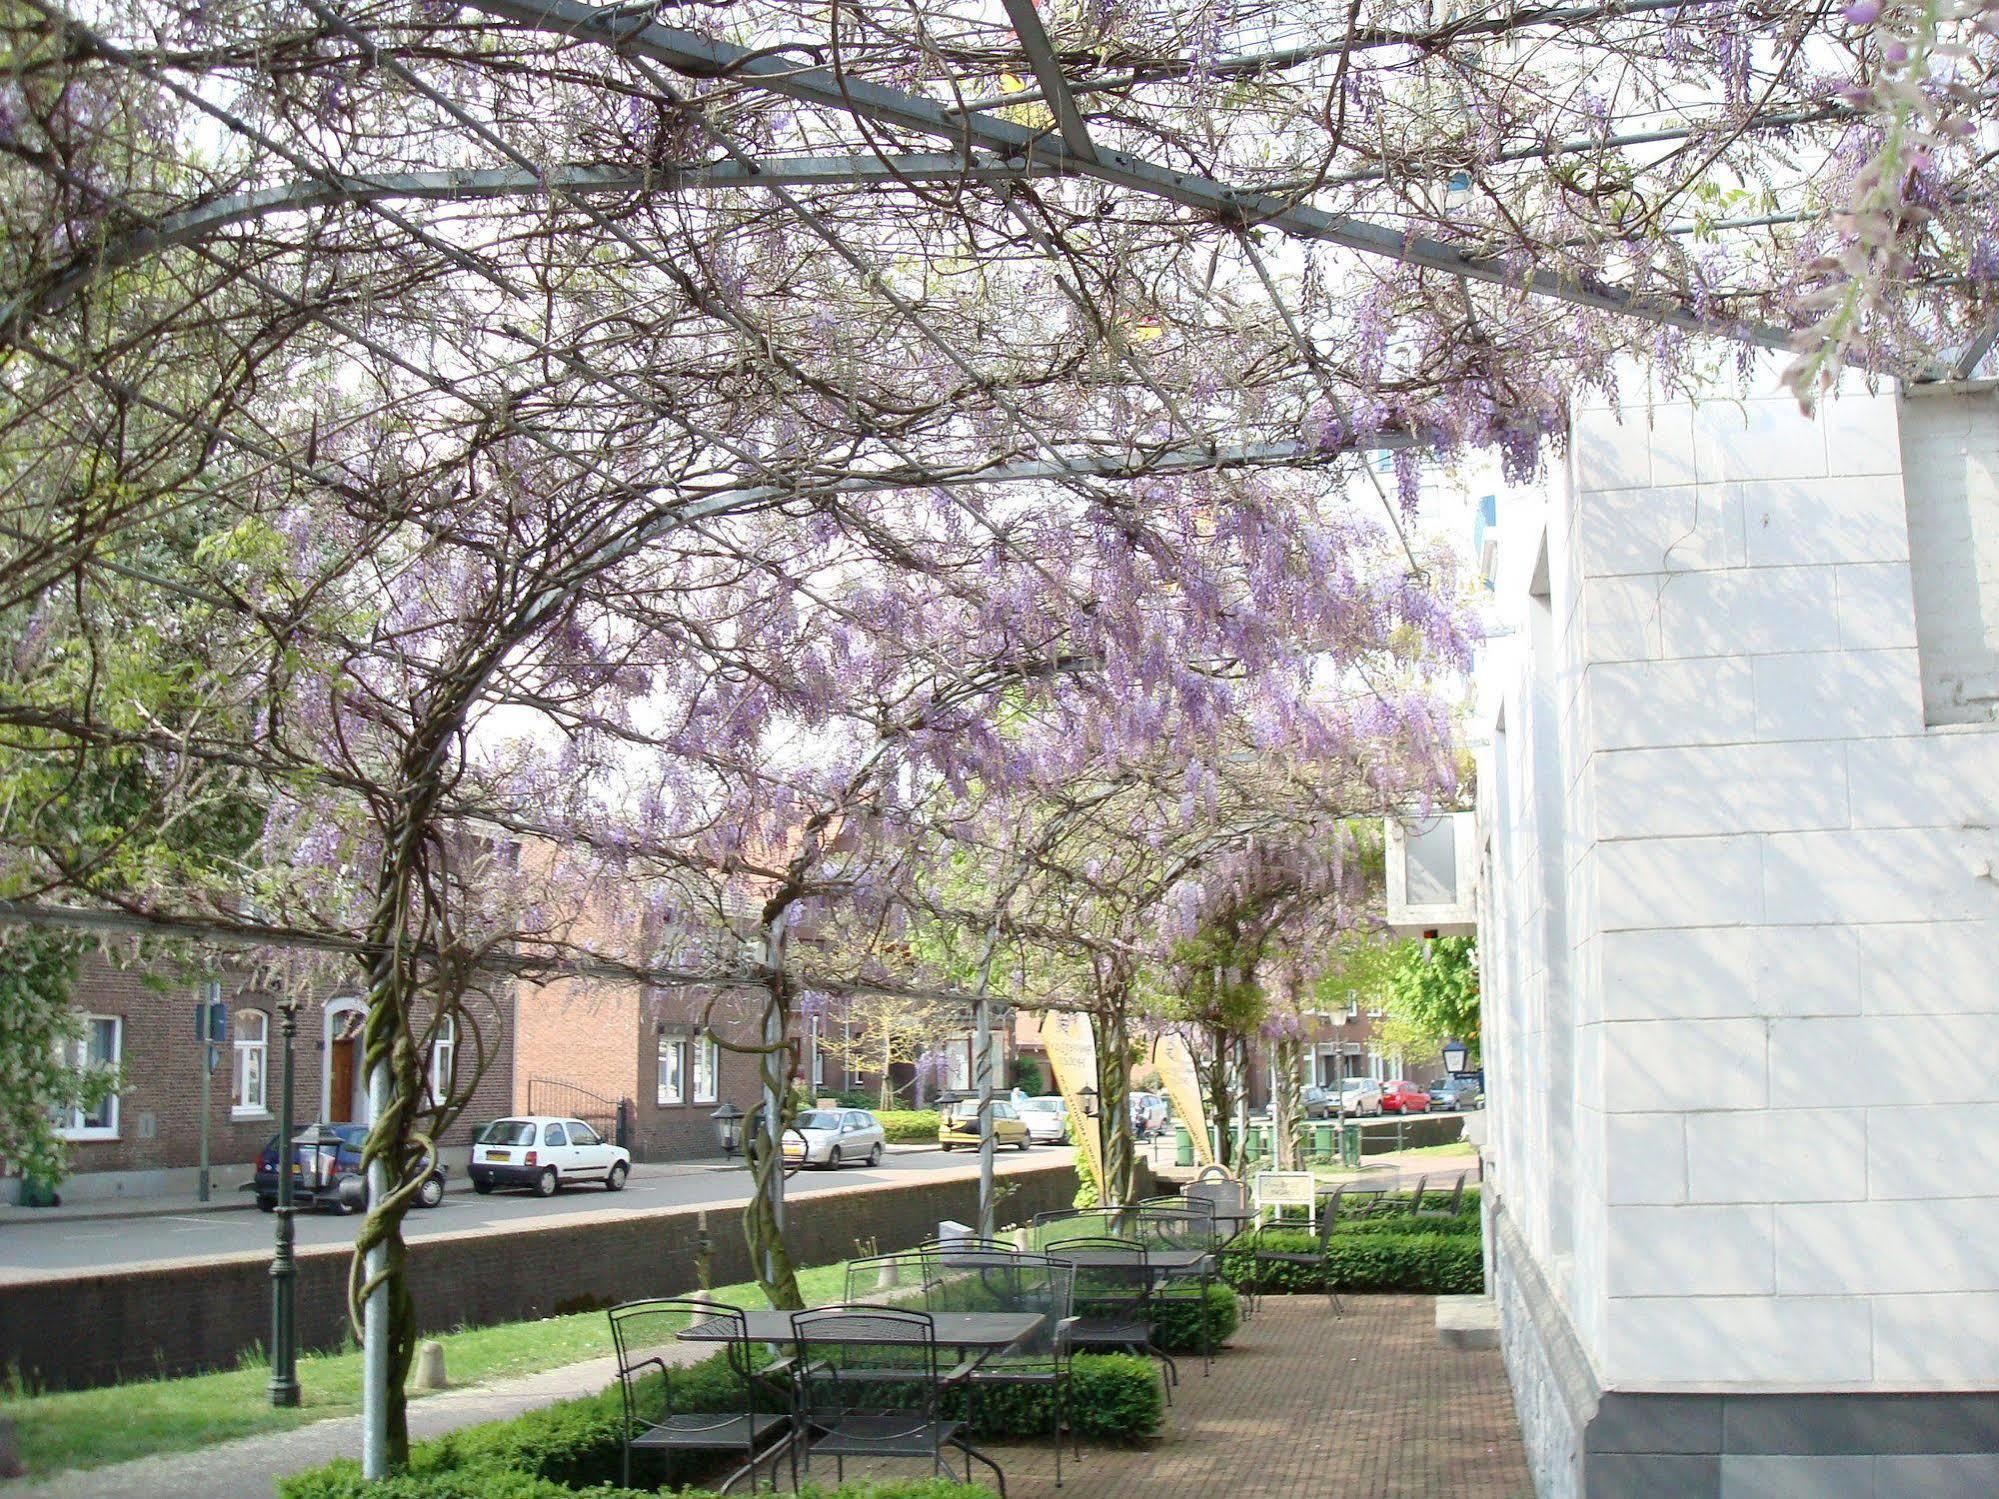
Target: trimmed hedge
{"type": "Point", "coordinates": [908, 1126]}
{"type": "Point", "coordinates": [1421, 1258]}
{"type": "Point", "coordinates": [575, 1444]}
{"type": "Point", "coordinates": [1176, 1318]}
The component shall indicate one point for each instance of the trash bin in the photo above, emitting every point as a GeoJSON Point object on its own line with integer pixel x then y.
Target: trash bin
{"type": "Point", "coordinates": [1183, 1146]}
{"type": "Point", "coordinates": [1324, 1141]}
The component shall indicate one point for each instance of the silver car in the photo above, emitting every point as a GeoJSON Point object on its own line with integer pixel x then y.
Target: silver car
{"type": "Point", "coordinates": [1047, 1119]}
{"type": "Point", "coordinates": [834, 1138]}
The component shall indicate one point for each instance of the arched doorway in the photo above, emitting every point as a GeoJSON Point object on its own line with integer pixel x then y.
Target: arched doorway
{"type": "Point", "coordinates": [343, 1098]}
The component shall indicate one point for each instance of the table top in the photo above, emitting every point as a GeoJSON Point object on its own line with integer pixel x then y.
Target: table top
{"type": "Point", "coordinates": [954, 1329]}
{"type": "Point", "coordinates": [1171, 1260]}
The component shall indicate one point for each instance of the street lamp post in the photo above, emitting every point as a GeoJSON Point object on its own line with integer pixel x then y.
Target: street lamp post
{"type": "Point", "coordinates": [284, 1268]}
{"type": "Point", "coordinates": [1455, 1052]}
{"type": "Point", "coordinates": [728, 1129]}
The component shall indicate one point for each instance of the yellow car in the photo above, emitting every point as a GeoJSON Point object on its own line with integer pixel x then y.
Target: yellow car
{"type": "Point", "coordinates": [959, 1125]}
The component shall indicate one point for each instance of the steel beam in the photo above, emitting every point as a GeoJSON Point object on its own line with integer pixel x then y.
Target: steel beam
{"type": "Point", "coordinates": [702, 57]}
{"type": "Point", "coordinates": [1048, 73]}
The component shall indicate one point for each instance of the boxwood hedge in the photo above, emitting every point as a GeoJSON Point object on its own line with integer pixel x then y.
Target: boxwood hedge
{"type": "Point", "coordinates": [908, 1126]}
{"type": "Point", "coordinates": [1406, 1256]}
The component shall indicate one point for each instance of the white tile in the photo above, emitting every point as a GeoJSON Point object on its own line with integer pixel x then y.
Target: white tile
{"type": "Point", "coordinates": [1609, 452]}
{"type": "Point", "coordinates": [1645, 1158]}
{"type": "Point", "coordinates": [1620, 619]}
{"type": "Point", "coordinates": [1722, 972]}
{"type": "Point", "coordinates": [1877, 610]}
{"type": "Point", "coordinates": [1671, 429]}
{"type": "Point", "coordinates": [1689, 1251]}
{"type": "Point", "coordinates": [1759, 439]}
{"type": "Point", "coordinates": [1862, 434]}
{"type": "Point", "coordinates": [1702, 700]}
{"type": "Point", "coordinates": [1887, 1060]}
{"type": "Point", "coordinates": [1708, 1340]}
{"type": "Point", "coordinates": [1792, 521]}
{"type": "Point", "coordinates": [1929, 968]}
{"type": "Point", "coordinates": [1939, 1341]}
{"type": "Point", "coordinates": [1796, 1477]}
{"type": "Point", "coordinates": [1777, 1155]}
{"type": "Point", "coordinates": [1935, 1475]}
{"type": "Point", "coordinates": [1698, 790]}
{"type": "Point", "coordinates": [1751, 612]}
{"type": "Point", "coordinates": [1838, 695]}
{"type": "Point", "coordinates": [1887, 1248]}
{"type": "Point", "coordinates": [1875, 874]}
{"type": "Point", "coordinates": [1661, 530]}
{"type": "Point", "coordinates": [1926, 780]}
{"type": "Point", "coordinates": [1652, 1066]}
{"type": "Point", "coordinates": [1923, 1151]}
{"type": "Point", "coordinates": [1658, 882]}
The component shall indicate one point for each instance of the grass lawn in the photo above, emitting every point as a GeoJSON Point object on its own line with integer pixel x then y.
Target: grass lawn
{"type": "Point", "coordinates": [1456, 1147]}
{"type": "Point", "coordinates": [90, 1428]}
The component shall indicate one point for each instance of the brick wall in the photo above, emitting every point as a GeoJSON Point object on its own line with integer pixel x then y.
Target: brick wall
{"type": "Point", "coordinates": [159, 1102]}
{"type": "Point", "coordinates": [86, 1330]}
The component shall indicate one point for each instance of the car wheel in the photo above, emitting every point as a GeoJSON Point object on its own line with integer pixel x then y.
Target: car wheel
{"type": "Point", "coordinates": [482, 1188]}
{"type": "Point", "coordinates": [547, 1182]}
{"type": "Point", "coordinates": [431, 1193]}
{"type": "Point", "coordinates": [945, 1146]}
{"type": "Point", "coordinates": [833, 1159]}
{"type": "Point", "coordinates": [875, 1155]}
{"type": "Point", "coordinates": [1025, 1141]}
{"type": "Point", "coordinates": [614, 1181]}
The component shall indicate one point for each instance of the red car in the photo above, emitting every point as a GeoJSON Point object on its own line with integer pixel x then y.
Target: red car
{"type": "Point", "coordinates": [1404, 1098]}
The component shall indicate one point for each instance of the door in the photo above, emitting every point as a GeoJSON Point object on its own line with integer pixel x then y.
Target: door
{"type": "Point", "coordinates": [340, 1054]}
{"type": "Point", "coordinates": [587, 1149]}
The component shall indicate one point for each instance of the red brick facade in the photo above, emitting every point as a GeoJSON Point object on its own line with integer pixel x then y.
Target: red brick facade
{"type": "Point", "coordinates": [156, 1122]}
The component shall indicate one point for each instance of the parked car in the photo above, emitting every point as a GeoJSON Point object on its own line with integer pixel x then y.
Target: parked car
{"type": "Point", "coordinates": [1149, 1114]}
{"type": "Point", "coordinates": [545, 1153]}
{"type": "Point", "coordinates": [1401, 1097]}
{"type": "Point", "coordinates": [1320, 1103]}
{"type": "Point", "coordinates": [833, 1138]}
{"type": "Point", "coordinates": [958, 1124]}
{"type": "Point", "coordinates": [1456, 1093]}
{"type": "Point", "coordinates": [1047, 1119]}
{"type": "Point", "coordinates": [347, 1162]}
{"type": "Point", "coordinates": [1360, 1095]}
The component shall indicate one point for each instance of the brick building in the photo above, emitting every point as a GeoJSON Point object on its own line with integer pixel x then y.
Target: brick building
{"type": "Point", "coordinates": [145, 1139]}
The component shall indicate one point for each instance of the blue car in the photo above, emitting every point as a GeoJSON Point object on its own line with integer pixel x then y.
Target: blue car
{"type": "Point", "coordinates": [347, 1163]}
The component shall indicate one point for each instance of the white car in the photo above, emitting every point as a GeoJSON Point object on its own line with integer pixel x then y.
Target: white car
{"type": "Point", "coordinates": [1047, 1119]}
{"type": "Point", "coordinates": [834, 1138]}
{"type": "Point", "coordinates": [1360, 1095]}
{"type": "Point", "coordinates": [545, 1153]}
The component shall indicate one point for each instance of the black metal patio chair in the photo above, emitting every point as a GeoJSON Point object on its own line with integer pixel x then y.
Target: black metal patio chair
{"type": "Point", "coordinates": [889, 1279]}
{"type": "Point", "coordinates": [1004, 1280]}
{"type": "Point", "coordinates": [644, 1335]}
{"type": "Point", "coordinates": [1114, 1298]}
{"type": "Point", "coordinates": [1186, 1228]}
{"type": "Point", "coordinates": [1319, 1254]}
{"type": "Point", "coordinates": [1451, 1208]}
{"type": "Point", "coordinates": [870, 1385]}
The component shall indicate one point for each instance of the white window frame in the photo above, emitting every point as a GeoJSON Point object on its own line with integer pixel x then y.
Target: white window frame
{"type": "Point", "coordinates": [76, 1129]}
{"type": "Point", "coordinates": [706, 1058]}
{"type": "Point", "coordinates": [243, 1047]}
{"type": "Point", "coordinates": [443, 1057]}
{"type": "Point", "coordinates": [671, 1085]}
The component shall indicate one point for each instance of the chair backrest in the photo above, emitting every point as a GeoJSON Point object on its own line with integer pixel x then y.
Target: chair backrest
{"type": "Point", "coordinates": [1177, 1227]}
{"type": "Point", "coordinates": [889, 1279]}
{"type": "Point", "coordinates": [650, 1361]}
{"type": "Point", "coordinates": [1108, 1270]}
{"type": "Point", "coordinates": [1457, 1195]}
{"type": "Point", "coordinates": [1222, 1194]}
{"type": "Point", "coordinates": [1416, 1197]}
{"type": "Point", "coordinates": [877, 1359]}
{"type": "Point", "coordinates": [990, 1280]}
{"type": "Point", "coordinates": [1329, 1213]}
{"type": "Point", "coordinates": [1073, 1223]}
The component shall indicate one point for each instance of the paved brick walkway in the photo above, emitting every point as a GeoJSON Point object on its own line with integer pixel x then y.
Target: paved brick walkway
{"type": "Point", "coordinates": [1304, 1405]}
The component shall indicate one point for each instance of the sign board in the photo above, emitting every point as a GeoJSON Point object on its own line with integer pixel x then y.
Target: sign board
{"type": "Point", "coordinates": [1278, 1190]}
{"type": "Point", "coordinates": [1072, 1052]}
{"type": "Point", "coordinates": [1175, 1063]}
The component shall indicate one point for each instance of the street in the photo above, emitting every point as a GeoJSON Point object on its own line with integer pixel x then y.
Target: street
{"type": "Point", "coordinates": [32, 1251]}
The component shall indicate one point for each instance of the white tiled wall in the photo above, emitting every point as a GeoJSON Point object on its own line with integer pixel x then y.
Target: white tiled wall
{"type": "Point", "coordinates": [1780, 913]}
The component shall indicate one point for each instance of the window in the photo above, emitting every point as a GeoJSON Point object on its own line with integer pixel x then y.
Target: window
{"type": "Point", "coordinates": [507, 1132]}
{"type": "Point", "coordinates": [1950, 484]}
{"type": "Point", "coordinates": [253, 1029]}
{"type": "Point", "coordinates": [1432, 868]}
{"type": "Point", "coordinates": [555, 1135]}
{"type": "Point", "coordinates": [443, 1057]}
{"type": "Point", "coordinates": [96, 1050]}
{"type": "Point", "coordinates": [581, 1134]}
{"type": "Point", "coordinates": [672, 1069]}
{"type": "Point", "coordinates": [707, 1067]}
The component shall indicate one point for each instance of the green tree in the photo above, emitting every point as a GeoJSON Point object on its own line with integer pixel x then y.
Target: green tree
{"type": "Point", "coordinates": [1432, 995]}
{"type": "Point", "coordinates": [38, 1034]}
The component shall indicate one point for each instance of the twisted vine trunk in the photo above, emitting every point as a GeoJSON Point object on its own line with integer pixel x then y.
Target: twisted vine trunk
{"type": "Point", "coordinates": [1112, 1031]}
{"type": "Point", "coordinates": [763, 1215]}
{"type": "Point", "coordinates": [1221, 1097]}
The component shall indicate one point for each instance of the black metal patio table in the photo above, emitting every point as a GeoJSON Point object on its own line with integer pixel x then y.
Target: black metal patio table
{"type": "Point", "coordinates": [986, 1332]}
{"type": "Point", "coordinates": [1167, 1264]}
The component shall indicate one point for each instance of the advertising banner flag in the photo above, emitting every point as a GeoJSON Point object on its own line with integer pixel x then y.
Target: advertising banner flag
{"type": "Point", "coordinates": [1174, 1061]}
{"type": "Point", "coordinates": [1072, 1051]}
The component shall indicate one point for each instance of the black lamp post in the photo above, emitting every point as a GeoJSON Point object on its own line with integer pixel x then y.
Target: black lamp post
{"type": "Point", "coordinates": [1454, 1056]}
{"type": "Point", "coordinates": [284, 1268]}
{"type": "Point", "coordinates": [728, 1129]}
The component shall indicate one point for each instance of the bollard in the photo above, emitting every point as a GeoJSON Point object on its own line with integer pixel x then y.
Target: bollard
{"type": "Point", "coordinates": [430, 1366]}
{"type": "Point", "coordinates": [885, 1276]}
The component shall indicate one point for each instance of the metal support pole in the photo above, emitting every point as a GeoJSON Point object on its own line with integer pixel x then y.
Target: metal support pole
{"type": "Point", "coordinates": [211, 997]}
{"type": "Point", "coordinates": [375, 1310]}
{"type": "Point", "coordinates": [774, 1081]}
{"type": "Point", "coordinates": [982, 1050]}
{"type": "Point", "coordinates": [284, 1269]}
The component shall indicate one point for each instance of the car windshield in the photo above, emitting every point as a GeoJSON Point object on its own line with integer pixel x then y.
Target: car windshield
{"type": "Point", "coordinates": [1042, 1105]}
{"type": "Point", "coordinates": [818, 1119]}
{"type": "Point", "coordinates": [508, 1132]}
